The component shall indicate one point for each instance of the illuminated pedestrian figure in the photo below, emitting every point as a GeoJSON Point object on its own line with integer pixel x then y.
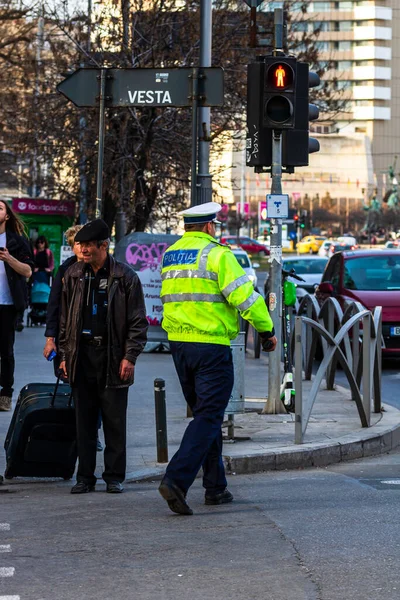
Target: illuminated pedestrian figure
{"type": "Point", "coordinates": [280, 74]}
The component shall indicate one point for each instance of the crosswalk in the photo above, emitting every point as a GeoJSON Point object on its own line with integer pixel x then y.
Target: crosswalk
{"type": "Point", "coordinates": [7, 571]}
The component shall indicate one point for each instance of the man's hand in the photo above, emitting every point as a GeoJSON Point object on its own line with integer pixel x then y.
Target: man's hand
{"type": "Point", "coordinates": [49, 347]}
{"type": "Point", "coordinates": [126, 369]}
{"type": "Point", "coordinates": [269, 345]}
{"type": "Point", "coordinates": [4, 255]}
{"type": "Point", "coordinates": [63, 368]}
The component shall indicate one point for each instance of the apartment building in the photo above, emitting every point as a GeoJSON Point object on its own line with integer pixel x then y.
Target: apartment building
{"type": "Point", "coordinates": [358, 42]}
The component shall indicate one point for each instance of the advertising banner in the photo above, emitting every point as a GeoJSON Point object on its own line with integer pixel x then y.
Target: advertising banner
{"type": "Point", "coordinates": [41, 206]}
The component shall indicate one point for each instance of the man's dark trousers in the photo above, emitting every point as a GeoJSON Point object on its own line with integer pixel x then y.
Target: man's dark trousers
{"type": "Point", "coordinates": [8, 316]}
{"type": "Point", "coordinates": [206, 375]}
{"type": "Point", "coordinates": [90, 396]}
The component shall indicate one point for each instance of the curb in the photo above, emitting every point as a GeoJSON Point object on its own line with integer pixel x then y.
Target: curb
{"type": "Point", "coordinates": [384, 437]}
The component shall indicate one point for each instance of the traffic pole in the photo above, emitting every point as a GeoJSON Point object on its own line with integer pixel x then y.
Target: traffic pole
{"type": "Point", "coordinates": [204, 181]}
{"type": "Point", "coordinates": [100, 156]}
{"type": "Point", "coordinates": [274, 404]}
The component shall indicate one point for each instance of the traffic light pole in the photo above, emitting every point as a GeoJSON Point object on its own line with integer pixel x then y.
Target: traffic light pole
{"type": "Point", "coordinates": [274, 404]}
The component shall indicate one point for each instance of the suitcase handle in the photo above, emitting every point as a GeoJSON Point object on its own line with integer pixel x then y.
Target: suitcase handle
{"type": "Point", "coordinates": [53, 398]}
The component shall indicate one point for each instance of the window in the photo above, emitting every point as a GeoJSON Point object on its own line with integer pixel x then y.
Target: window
{"type": "Point", "coordinates": [345, 25]}
{"type": "Point", "coordinates": [344, 65]}
{"type": "Point", "coordinates": [320, 6]}
{"type": "Point", "coordinates": [332, 273]}
{"type": "Point", "coordinates": [377, 273]}
{"type": "Point", "coordinates": [344, 46]}
{"type": "Point", "coordinates": [346, 5]}
{"type": "Point", "coordinates": [343, 85]}
{"type": "Point", "coordinates": [299, 26]}
{"type": "Point", "coordinates": [321, 26]}
{"type": "Point", "coordinates": [243, 260]}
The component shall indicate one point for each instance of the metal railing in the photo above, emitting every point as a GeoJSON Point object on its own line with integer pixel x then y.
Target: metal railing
{"type": "Point", "coordinates": [351, 339]}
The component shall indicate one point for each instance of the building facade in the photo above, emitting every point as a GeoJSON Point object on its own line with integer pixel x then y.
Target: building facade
{"type": "Point", "coordinates": [358, 41]}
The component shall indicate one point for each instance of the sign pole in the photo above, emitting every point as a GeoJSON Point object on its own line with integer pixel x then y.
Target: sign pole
{"type": "Point", "coordinates": [100, 157]}
{"type": "Point", "coordinates": [204, 176]}
{"type": "Point", "coordinates": [195, 103]}
{"type": "Point", "coordinates": [274, 404]}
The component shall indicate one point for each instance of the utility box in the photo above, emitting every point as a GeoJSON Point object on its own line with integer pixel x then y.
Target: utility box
{"type": "Point", "coordinates": [236, 402]}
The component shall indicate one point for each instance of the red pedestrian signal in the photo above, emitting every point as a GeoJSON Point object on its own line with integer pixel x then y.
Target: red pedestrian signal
{"type": "Point", "coordinates": [279, 92]}
{"type": "Point", "coordinates": [280, 75]}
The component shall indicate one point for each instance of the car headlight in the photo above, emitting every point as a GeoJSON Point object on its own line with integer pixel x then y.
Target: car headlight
{"type": "Point", "coordinates": [253, 279]}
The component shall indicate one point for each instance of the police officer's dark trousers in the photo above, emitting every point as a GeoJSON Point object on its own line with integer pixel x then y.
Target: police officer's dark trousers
{"type": "Point", "coordinates": [90, 396]}
{"type": "Point", "coordinates": [206, 375]}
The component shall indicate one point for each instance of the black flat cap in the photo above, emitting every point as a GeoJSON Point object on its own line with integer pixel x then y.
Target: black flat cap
{"type": "Point", "coordinates": [95, 231]}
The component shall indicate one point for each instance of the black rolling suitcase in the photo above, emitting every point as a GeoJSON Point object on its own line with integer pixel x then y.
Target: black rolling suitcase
{"type": "Point", "coordinates": [41, 439]}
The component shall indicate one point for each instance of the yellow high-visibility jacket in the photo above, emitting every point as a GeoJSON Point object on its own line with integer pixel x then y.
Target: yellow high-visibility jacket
{"type": "Point", "coordinates": [203, 288]}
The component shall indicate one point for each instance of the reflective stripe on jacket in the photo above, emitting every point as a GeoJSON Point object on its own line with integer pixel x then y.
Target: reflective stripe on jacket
{"type": "Point", "coordinates": [203, 288]}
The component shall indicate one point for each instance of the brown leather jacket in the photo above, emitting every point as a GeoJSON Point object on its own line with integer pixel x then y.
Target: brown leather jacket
{"type": "Point", "coordinates": [126, 319]}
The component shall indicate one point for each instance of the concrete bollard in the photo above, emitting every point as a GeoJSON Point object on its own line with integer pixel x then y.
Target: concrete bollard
{"type": "Point", "coordinates": [161, 421]}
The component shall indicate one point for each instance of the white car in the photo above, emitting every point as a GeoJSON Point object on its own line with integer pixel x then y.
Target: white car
{"type": "Point", "coordinates": [324, 250]}
{"type": "Point", "coordinates": [349, 240]}
{"type": "Point", "coordinates": [244, 261]}
{"type": "Point", "coordinates": [309, 268]}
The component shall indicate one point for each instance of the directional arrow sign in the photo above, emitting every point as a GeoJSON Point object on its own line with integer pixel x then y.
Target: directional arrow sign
{"type": "Point", "coordinates": [82, 87]}
{"type": "Point", "coordinates": [145, 87]}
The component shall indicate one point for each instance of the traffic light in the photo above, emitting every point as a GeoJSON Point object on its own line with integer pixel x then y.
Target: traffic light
{"type": "Point", "coordinates": [300, 144]}
{"type": "Point", "coordinates": [303, 219]}
{"type": "Point", "coordinates": [279, 100]}
{"type": "Point", "coordinates": [279, 97]}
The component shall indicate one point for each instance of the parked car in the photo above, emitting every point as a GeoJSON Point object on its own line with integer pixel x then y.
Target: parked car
{"type": "Point", "coordinates": [310, 244]}
{"type": "Point", "coordinates": [340, 247]}
{"type": "Point", "coordinates": [393, 244]}
{"type": "Point", "coordinates": [324, 249]}
{"type": "Point", "coordinates": [251, 246]}
{"type": "Point", "coordinates": [350, 240]}
{"type": "Point", "coordinates": [310, 268]}
{"type": "Point", "coordinates": [371, 277]}
{"type": "Point", "coordinates": [244, 261]}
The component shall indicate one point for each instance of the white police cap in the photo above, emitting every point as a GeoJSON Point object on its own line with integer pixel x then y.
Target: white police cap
{"type": "Point", "coordinates": [203, 213]}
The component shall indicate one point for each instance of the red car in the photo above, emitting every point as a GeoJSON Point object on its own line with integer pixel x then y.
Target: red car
{"type": "Point", "coordinates": [251, 246]}
{"type": "Point", "coordinates": [372, 277]}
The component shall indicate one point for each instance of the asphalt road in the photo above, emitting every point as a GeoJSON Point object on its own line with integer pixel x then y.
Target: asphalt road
{"type": "Point", "coordinates": [323, 534]}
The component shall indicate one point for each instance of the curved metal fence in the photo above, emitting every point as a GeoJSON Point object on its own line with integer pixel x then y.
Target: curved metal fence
{"type": "Point", "coordinates": [351, 339]}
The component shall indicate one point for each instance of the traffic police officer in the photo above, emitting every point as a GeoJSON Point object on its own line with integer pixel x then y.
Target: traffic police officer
{"type": "Point", "coordinates": [103, 329]}
{"type": "Point", "coordinates": [203, 288]}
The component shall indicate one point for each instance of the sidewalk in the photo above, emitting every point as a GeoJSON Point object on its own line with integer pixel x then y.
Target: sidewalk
{"type": "Point", "coordinates": [333, 434]}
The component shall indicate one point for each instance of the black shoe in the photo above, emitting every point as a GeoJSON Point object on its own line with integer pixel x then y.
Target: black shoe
{"type": "Point", "coordinates": [115, 487]}
{"type": "Point", "coordinates": [175, 497]}
{"type": "Point", "coordinates": [222, 498]}
{"type": "Point", "coordinates": [99, 446]}
{"type": "Point", "coordinates": [19, 326]}
{"type": "Point", "coordinates": [82, 488]}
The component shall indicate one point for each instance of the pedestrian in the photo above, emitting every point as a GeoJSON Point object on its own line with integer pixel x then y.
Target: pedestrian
{"type": "Point", "coordinates": [54, 307]}
{"type": "Point", "coordinates": [54, 304]}
{"type": "Point", "coordinates": [103, 329]}
{"type": "Point", "coordinates": [44, 260]}
{"type": "Point", "coordinates": [16, 263]}
{"type": "Point", "coordinates": [203, 290]}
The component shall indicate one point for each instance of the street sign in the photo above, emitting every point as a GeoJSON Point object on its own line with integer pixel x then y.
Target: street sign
{"type": "Point", "coordinates": [277, 206]}
{"type": "Point", "coordinates": [145, 87]}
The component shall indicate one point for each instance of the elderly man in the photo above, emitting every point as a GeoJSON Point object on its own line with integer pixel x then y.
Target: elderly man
{"type": "Point", "coordinates": [103, 330]}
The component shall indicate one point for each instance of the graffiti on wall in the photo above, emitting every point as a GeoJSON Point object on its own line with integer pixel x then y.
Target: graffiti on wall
{"type": "Point", "coordinates": [145, 259]}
